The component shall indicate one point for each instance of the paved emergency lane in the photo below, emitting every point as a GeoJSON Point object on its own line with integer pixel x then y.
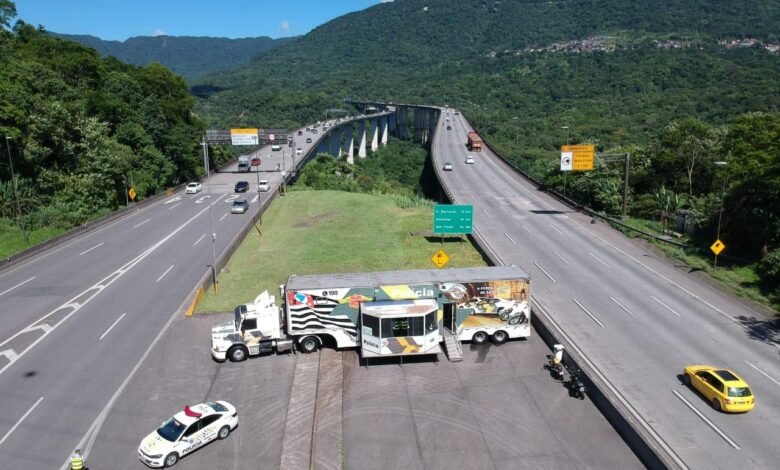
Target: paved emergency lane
{"type": "Point", "coordinates": [640, 319]}
{"type": "Point", "coordinates": [77, 318]}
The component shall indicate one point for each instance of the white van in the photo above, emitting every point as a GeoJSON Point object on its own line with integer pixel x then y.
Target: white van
{"type": "Point", "coordinates": [263, 186]}
{"type": "Point", "coordinates": [276, 147]}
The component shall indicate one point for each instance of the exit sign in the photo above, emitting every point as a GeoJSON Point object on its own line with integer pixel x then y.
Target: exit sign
{"type": "Point", "coordinates": [453, 219]}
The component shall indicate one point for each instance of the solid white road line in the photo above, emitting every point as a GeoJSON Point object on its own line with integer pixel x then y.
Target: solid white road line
{"type": "Point", "coordinates": [589, 314]}
{"type": "Point", "coordinates": [764, 373]}
{"type": "Point", "coordinates": [621, 306]}
{"type": "Point", "coordinates": [599, 260]}
{"type": "Point", "coordinates": [10, 354]}
{"type": "Point", "coordinates": [667, 307]}
{"type": "Point", "coordinates": [486, 213]}
{"type": "Point", "coordinates": [561, 257]}
{"type": "Point", "coordinates": [255, 199]}
{"type": "Point", "coordinates": [704, 418]}
{"type": "Point", "coordinates": [96, 246]}
{"type": "Point", "coordinates": [18, 285]}
{"type": "Point", "coordinates": [220, 219]}
{"type": "Point", "coordinates": [20, 421]}
{"type": "Point", "coordinates": [545, 272]}
{"type": "Point", "coordinates": [554, 228]}
{"type": "Point", "coordinates": [112, 325]}
{"type": "Point", "coordinates": [199, 239]}
{"type": "Point", "coordinates": [141, 223]}
{"type": "Point", "coordinates": [510, 238]}
{"type": "Point", "coordinates": [163, 274]}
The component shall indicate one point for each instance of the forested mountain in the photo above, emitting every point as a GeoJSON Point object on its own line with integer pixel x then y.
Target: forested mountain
{"type": "Point", "coordinates": [190, 57]}
{"type": "Point", "coordinates": [77, 128]}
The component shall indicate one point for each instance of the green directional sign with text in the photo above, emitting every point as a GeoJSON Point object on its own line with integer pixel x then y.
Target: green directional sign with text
{"type": "Point", "coordinates": [453, 219]}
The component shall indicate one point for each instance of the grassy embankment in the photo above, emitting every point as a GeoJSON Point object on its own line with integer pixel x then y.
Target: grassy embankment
{"type": "Point", "coordinates": [309, 232]}
{"type": "Point", "coordinates": [12, 238]}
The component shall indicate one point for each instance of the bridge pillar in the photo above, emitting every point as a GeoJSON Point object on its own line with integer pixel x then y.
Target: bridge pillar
{"type": "Point", "coordinates": [402, 126]}
{"type": "Point", "coordinates": [374, 135]}
{"type": "Point", "coordinates": [349, 143]}
{"type": "Point", "coordinates": [335, 142]}
{"type": "Point", "coordinates": [385, 120]}
{"type": "Point", "coordinates": [362, 137]}
{"type": "Point", "coordinates": [417, 125]}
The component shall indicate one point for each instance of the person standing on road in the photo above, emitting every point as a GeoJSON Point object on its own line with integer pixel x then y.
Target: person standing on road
{"type": "Point", "coordinates": [77, 460]}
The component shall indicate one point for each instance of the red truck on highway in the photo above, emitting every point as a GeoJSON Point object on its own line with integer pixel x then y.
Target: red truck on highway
{"type": "Point", "coordinates": [474, 142]}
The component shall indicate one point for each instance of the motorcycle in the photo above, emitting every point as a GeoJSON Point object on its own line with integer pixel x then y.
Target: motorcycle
{"type": "Point", "coordinates": [556, 369]}
{"type": "Point", "coordinates": [577, 386]}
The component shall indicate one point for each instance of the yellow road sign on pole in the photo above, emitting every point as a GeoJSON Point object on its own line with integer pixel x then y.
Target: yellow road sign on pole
{"type": "Point", "coordinates": [717, 247]}
{"type": "Point", "coordinates": [131, 193]}
{"type": "Point", "coordinates": [581, 156]}
{"type": "Point", "coordinates": [440, 259]}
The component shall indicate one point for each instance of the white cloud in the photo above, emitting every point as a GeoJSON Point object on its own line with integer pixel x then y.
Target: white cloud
{"type": "Point", "coordinates": [385, 1]}
{"type": "Point", "coordinates": [286, 26]}
{"type": "Point", "coordinates": [159, 32]}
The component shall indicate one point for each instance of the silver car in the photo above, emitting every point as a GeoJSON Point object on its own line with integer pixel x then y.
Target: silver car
{"type": "Point", "coordinates": [239, 206]}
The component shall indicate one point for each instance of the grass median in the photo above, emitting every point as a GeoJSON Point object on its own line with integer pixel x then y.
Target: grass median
{"type": "Point", "coordinates": [310, 232]}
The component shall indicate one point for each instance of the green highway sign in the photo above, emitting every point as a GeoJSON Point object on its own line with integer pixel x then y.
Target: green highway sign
{"type": "Point", "coordinates": [453, 219]}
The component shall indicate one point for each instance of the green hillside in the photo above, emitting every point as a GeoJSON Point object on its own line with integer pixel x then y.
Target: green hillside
{"type": "Point", "coordinates": [190, 57]}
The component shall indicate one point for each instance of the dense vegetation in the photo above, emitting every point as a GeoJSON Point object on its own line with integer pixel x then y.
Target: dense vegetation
{"type": "Point", "coordinates": [190, 57]}
{"type": "Point", "coordinates": [77, 128]}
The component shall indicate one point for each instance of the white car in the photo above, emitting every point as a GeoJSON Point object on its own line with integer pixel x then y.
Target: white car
{"type": "Point", "coordinates": [298, 152]}
{"type": "Point", "coordinates": [263, 186]}
{"type": "Point", "coordinates": [447, 167]}
{"type": "Point", "coordinates": [186, 431]}
{"type": "Point", "coordinates": [469, 160]}
{"type": "Point", "coordinates": [193, 188]}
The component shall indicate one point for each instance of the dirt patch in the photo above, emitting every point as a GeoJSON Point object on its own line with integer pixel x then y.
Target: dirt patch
{"type": "Point", "coordinates": [317, 219]}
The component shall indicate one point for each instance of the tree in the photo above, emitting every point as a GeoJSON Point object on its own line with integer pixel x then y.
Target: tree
{"type": "Point", "coordinates": [7, 13]}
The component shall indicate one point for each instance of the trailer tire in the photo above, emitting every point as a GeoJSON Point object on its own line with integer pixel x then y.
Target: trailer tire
{"type": "Point", "coordinates": [500, 337]}
{"type": "Point", "coordinates": [237, 354]}
{"type": "Point", "coordinates": [309, 344]}
{"type": "Point", "coordinates": [479, 337]}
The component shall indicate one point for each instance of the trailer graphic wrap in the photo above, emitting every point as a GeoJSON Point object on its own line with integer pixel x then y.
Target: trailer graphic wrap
{"type": "Point", "coordinates": [308, 310]}
{"type": "Point", "coordinates": [489, 304]}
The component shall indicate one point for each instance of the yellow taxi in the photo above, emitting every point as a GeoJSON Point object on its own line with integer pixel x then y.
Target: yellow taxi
{"type": "Point", "coordinates": [721, 387]}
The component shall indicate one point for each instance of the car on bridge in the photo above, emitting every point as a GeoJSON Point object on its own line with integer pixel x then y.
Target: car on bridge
{"type": "Point", "coordinates": [447, 167]}
{"type": "Point", "coordinates": [187, 431]}
{"type": "Point", "coordinates": [193, 188]}
{"type": "Point", "coordinates": [308, 140]}
{"type": "Point", "coordinates": [263, 186]}
{"type": "Point", "coordinates": [239, 206]}
{"type": "Point", "coordinates": [721, 387]}
{"type": "Point", "coordinates": [242, 186]}
{"type": "Point", "coordinates": [469, 160]}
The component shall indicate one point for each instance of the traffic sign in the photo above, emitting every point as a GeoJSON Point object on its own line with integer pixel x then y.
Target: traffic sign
{"type": "Point", "coordinates": [453, 219]}
{"type": "Point", "coordinates": [566, 159]}
{"type": "Point", "coordinates": [244, 137]}
{"type": "Point", "coordinates": [581, 156]}
{"type": "Point", "coordinates": [131, 193]}
{"type": "Point", "coordinates": [717, 247]}
{"type": "Point", "coordinates": [440, 259]}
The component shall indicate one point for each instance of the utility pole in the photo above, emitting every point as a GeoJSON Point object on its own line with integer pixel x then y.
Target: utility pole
{"type": "Point", "coordinates": [211, 218]}
{"type": "Point", "coordinates": [13, 178]}
{"type": "Point", "coordinates": [625, 188]}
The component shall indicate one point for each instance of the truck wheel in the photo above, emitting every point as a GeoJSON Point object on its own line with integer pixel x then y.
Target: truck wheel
{"type": "Point", "coordinates": [500, 337]}
{"type": "Point", "coordinates": [171, 459]}
{"type": "Point", "coordinates": [224, 432]}
{"type": "Point", "coordinates": [479, 337]}
{"type": "Point", "coordinates": [309, 344]}
{"type": "Point", "coordinates": [237, 354]}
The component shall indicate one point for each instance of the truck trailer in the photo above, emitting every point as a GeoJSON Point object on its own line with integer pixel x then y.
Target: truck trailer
{"type": "Point", "coordinates": [243, 164]}
{"type": "Point", "coordinates": [474, 142]}
{"type": "Point", "coordinates": [391, 313]}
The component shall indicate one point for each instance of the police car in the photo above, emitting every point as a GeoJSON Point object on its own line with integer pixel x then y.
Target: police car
{"type": "Point", "coordinates": [187, 431]}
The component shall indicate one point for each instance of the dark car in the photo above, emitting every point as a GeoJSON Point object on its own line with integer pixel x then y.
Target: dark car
{"type": "Point", "coordinates": [300, 132]}
{"type": "Point", "coordinates": [242, 186]}
{"type": "Point", "coordinates": [449, 128]}
{"type": "Point", "coordinates": [308, 140]}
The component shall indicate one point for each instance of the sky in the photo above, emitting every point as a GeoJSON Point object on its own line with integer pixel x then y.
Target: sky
{"type": "Point", "coordinates": [121, 19]}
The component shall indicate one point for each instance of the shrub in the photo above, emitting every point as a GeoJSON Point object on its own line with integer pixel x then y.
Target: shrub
{"type": "Point", "coordinates": [769, 268]}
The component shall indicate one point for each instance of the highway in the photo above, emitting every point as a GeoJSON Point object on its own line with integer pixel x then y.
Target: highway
{"type": "Point", "coordinates": [78, 319]}
{"type": "Point", "coordinates": [637, 317]}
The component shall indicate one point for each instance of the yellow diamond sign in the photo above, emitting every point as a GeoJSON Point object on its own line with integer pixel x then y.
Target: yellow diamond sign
{"type": "Point", "coordinates": [717, 247]}
{"type": "Point", "coordinates": [131, 193]}
{"type": "Point", "coordinates": [440, 258]}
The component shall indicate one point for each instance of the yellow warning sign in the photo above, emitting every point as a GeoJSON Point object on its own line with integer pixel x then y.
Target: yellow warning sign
{"type": "Point", "coordinates": [717, 247]}
{"type": "Point", "coordinates": [440, 259]}
{"type": "Point", "coordinates": [581, 156]}
{"type": "Point", "coordinates": [131, 193]}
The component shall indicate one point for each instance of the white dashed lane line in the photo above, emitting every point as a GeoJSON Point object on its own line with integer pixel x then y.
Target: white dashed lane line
{"type": "Point", "coordinates": [18, 285]}
{"type": "Point", "coordinates": [87, 251]}
{"type": "Point", "coordinates": [13, 428]}
{"type": "Point", "coordinates": [111, 327]}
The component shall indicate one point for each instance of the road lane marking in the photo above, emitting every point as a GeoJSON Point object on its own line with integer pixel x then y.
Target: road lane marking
{"type": "Point", "coordinates": [173, 199]}
{"type": "Point", "coordinates": [545, 272]}
{"type": "Point", "coordinates": [14, 287]}
{"type": "Point", "coordinates": [764, 373]}
{"type": "Point", "coordinates": [554, 228]}
{"type": "Point", "coordinates": [706, 420]}
{"type": "Point", "coordinates": [526, 229]}
{"type": "Point", "coordinates": [667, 307]}
{"type": "Point", "coordinates": [201, 199]}
{"type": "Point", "coordinates": [112, 326]}
{"type": "Point", "coordinates": [599, 260]}
{"type": "Point", "coordinates": [174, 206]}
{"type": "Point", "coordinates": [561, 257]}
{"type": "Point", "coordinates": [589, 314]}
{"type": "Point", "coordinates": [96, 246]}
{"type": "Point", "coordinates": [10, 354]}
{"type": "Point", "coordinates": [163, 274]}
{"type": "Point", "coordinates": [141, 223]}
{"type": "Point", "coordinates": [510, 238]}
{"type": "Point", "coordinates": [88, 294]}
{"type": "Point", "coordinates": [486, 213]}
{"type": "Point", "coordinates": [255, 199]}
{"type": "Point", "coordinates": [20, 421]}
{"type": "Point", "coordinates": [220, 219]}
{"type": "Point", "coordinates": [199, 239]}
{"type": "Point", "coordinates": [621, 306]}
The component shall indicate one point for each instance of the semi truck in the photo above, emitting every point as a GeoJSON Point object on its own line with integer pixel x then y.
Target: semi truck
{"type": "Point", "coordinates": [243, 164]}
{"type": "Point", "coordinates": [390, 313]}
{"type": "Point", "coordinates": [474, 141]}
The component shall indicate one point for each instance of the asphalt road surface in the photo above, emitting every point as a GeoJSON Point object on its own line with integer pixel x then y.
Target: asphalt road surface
{"type": "Point", "coordinates": [639, 318]}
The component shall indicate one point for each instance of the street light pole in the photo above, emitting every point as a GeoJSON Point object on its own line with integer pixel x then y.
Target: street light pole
{"type": "Point", "coordinates": [211, 217]}
{"type": "Point", "coordinates": [565, 172]}
{"type": "Point", "coordinates": [13, 178]}
{"type": "Point", "coordinates": [517, 129]}
{"type": "Point", "coordinates": [720, 212]}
